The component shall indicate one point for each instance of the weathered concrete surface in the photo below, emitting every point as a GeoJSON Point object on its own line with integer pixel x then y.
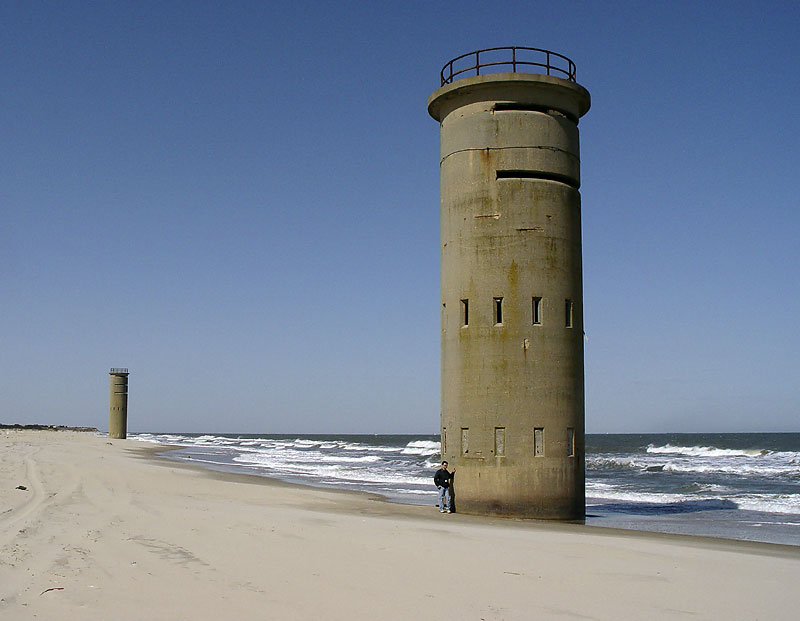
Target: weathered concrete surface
{"type": "Point", "coordinates": [511, 231]}
{"type": "Point", "coordinates": [118, 405]}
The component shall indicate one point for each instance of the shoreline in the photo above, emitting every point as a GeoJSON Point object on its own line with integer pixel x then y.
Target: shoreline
{"type": "Point", "coordinates": [110, 529]}
{"type": "Point", "coordinates": [162, 450]}
{"type": "Point", "coordinates": [157, 453]}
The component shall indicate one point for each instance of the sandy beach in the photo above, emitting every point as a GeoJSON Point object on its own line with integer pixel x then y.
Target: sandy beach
{"type": "Point", "coordinates": [107, 530]}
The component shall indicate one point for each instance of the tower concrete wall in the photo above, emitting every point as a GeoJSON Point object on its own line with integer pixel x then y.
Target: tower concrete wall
{"type": "Point", "coordinates": [118, 404]}
{"type": "Point", "coordinates": [512, 294]}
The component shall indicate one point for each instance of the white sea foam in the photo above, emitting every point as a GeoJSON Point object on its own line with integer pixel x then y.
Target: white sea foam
{"type": "Point", "coordinates": [425, 444]}
{"type": "Point", "coordinates": [705, 451]}
{"type": "Point", "coordinates": [368, 459]}
{"type": "Point", "coordinates": [170, 439]}
{"type": "Point", "coordinates": [703, 460]}
{"type": "Point", "coordinates": [315, 464]}
{"type": "Point", "coordinates": [422, 447]}
{"type": "Point", "coordinates": [736, 468]}
{"type": "Point", "coordinates": [418, 451]}
{"type": "Point", "coordinates": [146, 437]}
{"type": "Point", "coordinates": [603, 462]}
{"type": "Point", "coordinates": [770, 503]}
{"type": "Point", "coordinates": [355, 447]}
{"type": "Point", "coordinates": [426, 492]}
{"type": "Point", "coordinates": [611, 493]}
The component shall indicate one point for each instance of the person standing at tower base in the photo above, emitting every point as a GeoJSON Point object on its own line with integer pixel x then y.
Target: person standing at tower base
{"type": "Point", "coordinates": [443, 479]}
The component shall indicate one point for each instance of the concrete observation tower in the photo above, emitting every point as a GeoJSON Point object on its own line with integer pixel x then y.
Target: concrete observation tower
{"type": "Point", "coordinates": [512, 291]}
{"type": "Point", "coordinates": [118, 404]}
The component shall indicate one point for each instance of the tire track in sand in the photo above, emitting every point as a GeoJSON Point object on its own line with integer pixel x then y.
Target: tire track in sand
{"type": "Point", "coordinates": [7, 532]}
{"type": "Point", "coordinates": [29, 528]}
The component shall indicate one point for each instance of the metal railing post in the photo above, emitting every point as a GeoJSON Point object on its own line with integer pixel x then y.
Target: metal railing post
{"type": "Point", "coordinates": [525, 66]}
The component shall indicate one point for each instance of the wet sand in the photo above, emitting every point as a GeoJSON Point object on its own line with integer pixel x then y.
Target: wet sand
{"type": "Point", "coordinates": [108, 530]}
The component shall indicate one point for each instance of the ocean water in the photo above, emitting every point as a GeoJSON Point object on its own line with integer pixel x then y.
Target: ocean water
{"type": "Point", "coordinates": [738, 486]}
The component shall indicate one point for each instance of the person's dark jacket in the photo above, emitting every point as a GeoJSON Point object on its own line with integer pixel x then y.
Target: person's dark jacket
{"type": "Point", "coordinates": [442, 478]}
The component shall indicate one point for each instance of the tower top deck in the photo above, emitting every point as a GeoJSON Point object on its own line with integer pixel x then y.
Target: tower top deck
{"type": "Point", "coordinates": [115, 371]}
{"type": "Point", "coordinates": [509, 59]}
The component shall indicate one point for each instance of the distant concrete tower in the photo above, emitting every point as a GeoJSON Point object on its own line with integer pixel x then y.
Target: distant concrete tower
{"type": "Point", "coordinates": [118, 404]}
{"type": "Point", "coordinates": [512, 292]}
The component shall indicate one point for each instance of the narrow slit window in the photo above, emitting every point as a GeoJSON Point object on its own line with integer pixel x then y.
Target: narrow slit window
{"type": "Point", "coordinates": [568, 313]}
{"type": "Point", "coordinates": [498, 311]}
{"type": "Point", "coordinates": [536, 174]}
{"type": "Point", "coordinates": [502, 106]}
{"type": "Point", "coordinates": [570, 442]}
{"type": "Point", "coordinates": [465, 440]}
{"type": "Point", "coordinates": [500, 441]}
{"type": "Point", "coordinates": [444, 441]}
{"type": "Point", "coordinates": [536, 311]}
{"type": "Point", "coordinates": [521, 107]}
{"type": "Point", "coordinates": [538, 442]}
{"type": "Point", "coordinates": [464, 312]}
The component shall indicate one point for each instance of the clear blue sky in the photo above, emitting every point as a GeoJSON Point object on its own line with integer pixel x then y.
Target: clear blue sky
{"type": "Point", "coordinates": [240, 202]}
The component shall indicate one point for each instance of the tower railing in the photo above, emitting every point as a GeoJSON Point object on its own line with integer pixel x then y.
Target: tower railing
{"type": "Point", "coordinates": [519, 59]}
{"type": "Point", "coordinates": [118, 371]}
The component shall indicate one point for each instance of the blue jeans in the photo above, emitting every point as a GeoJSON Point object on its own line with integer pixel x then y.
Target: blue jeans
{"type": "Point", "coordinates": [444, 498]}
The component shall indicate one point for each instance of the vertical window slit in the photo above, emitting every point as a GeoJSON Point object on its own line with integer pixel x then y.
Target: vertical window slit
{"type": "Point", "coordinates": [464, 312]}
{"type": "Point", "coordinates": [570, 442]}
{"type": "Point", "coordinates": [568, 313]}
{"type": "Point", "coordinates": [498, 311]}
{"type": "Point", "coordinates": [538, 441]}
{"type": "Point", "coordinates": [536, 311]}
{"type": "Point", "coordinates": [500, 441]}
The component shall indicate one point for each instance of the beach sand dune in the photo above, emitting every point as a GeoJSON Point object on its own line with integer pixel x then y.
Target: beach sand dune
{"type": "Point", "coordinates": [106, 530]}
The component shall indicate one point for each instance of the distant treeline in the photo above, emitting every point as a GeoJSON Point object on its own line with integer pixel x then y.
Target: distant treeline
{"type": "Point", "coordinates": [47, 427]}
